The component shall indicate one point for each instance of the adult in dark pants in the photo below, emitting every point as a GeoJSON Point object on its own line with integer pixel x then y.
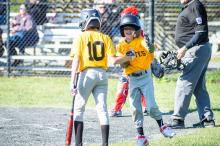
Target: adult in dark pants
{"type": "Point", "coordinates": [191, 36]}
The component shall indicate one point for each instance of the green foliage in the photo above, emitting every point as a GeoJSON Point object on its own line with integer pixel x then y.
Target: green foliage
{"type": "Point", "coordinates": [14, 7]}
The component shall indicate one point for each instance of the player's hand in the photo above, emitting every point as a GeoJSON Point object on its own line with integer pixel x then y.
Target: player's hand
{"type": "Point", "coordinates": [181, 52]}
{"type": "Point", "coordinates": [151, 48]}
{"type": "Point", "coordinates": [125, 64]}
{"type": "Point", "coordinates": [74, 91]}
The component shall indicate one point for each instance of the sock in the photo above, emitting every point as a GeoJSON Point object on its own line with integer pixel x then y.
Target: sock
{"type": "Point", "coordinates": [160, 122]}
{"type": "Point", "coordinates": [78, 126]}
{"type": "Point", "coordinates": [140, 131]}
{"type": "Point", "coordinates": [105, 134]}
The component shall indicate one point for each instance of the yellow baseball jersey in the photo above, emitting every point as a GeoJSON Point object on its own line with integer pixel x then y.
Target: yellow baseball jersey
{"type": "Point", "coordinates": [143, 58]}
{"type": "Point", "coordinates": [93, 47]}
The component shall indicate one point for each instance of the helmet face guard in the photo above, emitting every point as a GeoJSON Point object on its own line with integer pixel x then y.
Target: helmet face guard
{"type": "Point", "coordinates": [90, 18]}
{"type": "Point", "coordinates": [129, 20]}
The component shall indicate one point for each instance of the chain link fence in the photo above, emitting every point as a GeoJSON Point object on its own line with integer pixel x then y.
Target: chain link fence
{"type": "Point", "coordinates": [40, 42]}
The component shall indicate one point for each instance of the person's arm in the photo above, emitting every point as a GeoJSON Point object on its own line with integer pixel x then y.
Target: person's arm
{"type": "Point", "coordinates": [201, 30]}
{"type": "Point", "coordinates": [14, 26]}
{"type": "Point", "coordinates": [120, 59]}
{"type": "Point", "coordinates": [74, 71]}
{"type": "Point", "coordinates": [28, 23]}
{"type": "Point", "coordinates": [197, 37]}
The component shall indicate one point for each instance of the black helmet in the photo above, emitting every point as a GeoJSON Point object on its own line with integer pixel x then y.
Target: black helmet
{"type": "Point", "coordinates": [89, 18]}
{"type": "Point", "coordinates": [129, 20]}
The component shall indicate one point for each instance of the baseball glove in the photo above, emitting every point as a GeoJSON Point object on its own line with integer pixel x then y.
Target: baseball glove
{"type": "Point", "coordinates": [170, 62]}
{"type": "Point", "coordinates": [157, 69]}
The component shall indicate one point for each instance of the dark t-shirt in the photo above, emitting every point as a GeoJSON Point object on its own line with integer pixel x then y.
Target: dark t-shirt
{"type": "Point", "coordinates": [110, 19]}
{"type": "Point", "coordinates": [192, 20]}
{"type": "Point", "coordinates": [38, 11]}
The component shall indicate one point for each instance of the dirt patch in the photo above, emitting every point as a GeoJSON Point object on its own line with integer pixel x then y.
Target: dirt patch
{"type": "Point", "coordinates": [47, 126]}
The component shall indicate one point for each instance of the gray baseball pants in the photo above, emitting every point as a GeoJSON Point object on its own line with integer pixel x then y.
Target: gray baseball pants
{"type": "Point", "coordinates": [192, 81]}
{"type": "Point", "coordinates": [92, 80]}
{"type": "Point", "coordinates": [144, 84]}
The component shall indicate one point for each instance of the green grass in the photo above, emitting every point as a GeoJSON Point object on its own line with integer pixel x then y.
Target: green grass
{"type": "Point", "coordinates": [202, 137]}
{"type": "Point", "coordinates": [41, 92]}
{"type": "Point", "coordinates": [215, 59]}
{"type": "Point", "coordinates": [54, 92]}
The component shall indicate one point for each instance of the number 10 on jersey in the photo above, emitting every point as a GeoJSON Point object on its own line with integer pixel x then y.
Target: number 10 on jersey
{"type": "Point", "coordinates": [96, 54]}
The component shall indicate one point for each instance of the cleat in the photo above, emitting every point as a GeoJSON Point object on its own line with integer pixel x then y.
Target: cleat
{"type": "Point", "coordinates": [142, 141]}
{"type": "Point", "coordinates": [177, 124]}
{"type": "Point", "coordinates": [116, 114]}
{"type": "Point", "coordinates": [167, 131]}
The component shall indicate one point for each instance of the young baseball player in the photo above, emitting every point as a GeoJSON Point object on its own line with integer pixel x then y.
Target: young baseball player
{"type": "Point", "coordinates": [122, 87]}
{"type": "Point", "coordinates": [91, 51]}
{"type": "Point", "coordinates": [139, 75]}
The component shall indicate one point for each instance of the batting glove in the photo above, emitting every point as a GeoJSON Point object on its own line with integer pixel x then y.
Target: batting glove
{"type": "Point", "coordinates": [131, 53]}
{"type": "Point", "coordinates": [73, 89]}
{"type": "Point", "coordinates": [151, 48]}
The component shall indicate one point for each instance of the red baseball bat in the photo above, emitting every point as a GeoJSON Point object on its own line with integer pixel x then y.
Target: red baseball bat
{"type": "Point", "coordinates": [70, 121]}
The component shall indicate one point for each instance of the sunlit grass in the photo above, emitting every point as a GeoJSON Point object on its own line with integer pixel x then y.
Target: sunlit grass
{"type": "Point", "coordinates": [55, 92]}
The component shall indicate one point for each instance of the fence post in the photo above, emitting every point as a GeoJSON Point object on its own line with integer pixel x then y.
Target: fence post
{"type": "Point", "coordinates": [151, 20]}
{"type": "Point", "coordinates": [8, 35]}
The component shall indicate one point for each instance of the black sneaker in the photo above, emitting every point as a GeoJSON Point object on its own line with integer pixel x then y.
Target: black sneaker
{"type": "Point", "coordinates": [17, 62]}
{"type": "Point", "coordinates": [205, 124]}
{"type": "Point", "coordinates": [177, 124]}
{"type": "Point", "coordinates": [146, 113]}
